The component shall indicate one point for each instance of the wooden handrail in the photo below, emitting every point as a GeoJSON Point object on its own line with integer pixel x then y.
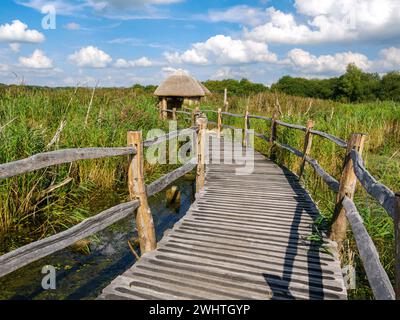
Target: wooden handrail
{"type": "Point", "coordinates": [381, 193]}
{"type": "Point", "coordinates": [376, 274]}
{"type": "Point", "coordinates": [47, 159]}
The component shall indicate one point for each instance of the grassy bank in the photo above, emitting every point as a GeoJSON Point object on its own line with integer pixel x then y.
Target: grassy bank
{"type": "Point", "coordinates": [380, 120]}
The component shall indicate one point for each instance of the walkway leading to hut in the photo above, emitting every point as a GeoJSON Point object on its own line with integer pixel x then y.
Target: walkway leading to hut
{"type": "Point", "coordinates": [245, 237]}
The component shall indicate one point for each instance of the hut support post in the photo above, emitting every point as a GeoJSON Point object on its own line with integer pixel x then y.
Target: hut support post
{"type": "Point", "coordinates": [219, 123]}
{"type": "Point", "coordinates": [347, 188]}
{"type": "Point", "coordinates": [201, 153]}
{"type": "Point", "coordinates": [397, 244]}
{"type": "Point", "coordinates": [137, 190]}
{"type": "Point", "coordinates": [164, 108]}
{"type": "Point", "coordinates": [307, 146]}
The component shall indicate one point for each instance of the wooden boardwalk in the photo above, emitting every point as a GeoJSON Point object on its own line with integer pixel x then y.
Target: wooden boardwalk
{"type": "Point", "coordinates": [245, 237]}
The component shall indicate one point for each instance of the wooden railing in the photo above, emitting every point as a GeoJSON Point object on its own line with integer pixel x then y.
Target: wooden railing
{"type": "Point", "coordinates": [139, 193]}
{"type": "Point", "coordinates": [345, 209]}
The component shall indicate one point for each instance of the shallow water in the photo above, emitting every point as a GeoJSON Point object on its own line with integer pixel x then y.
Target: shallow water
{"type": "Point", "coordinates": [81, 276]}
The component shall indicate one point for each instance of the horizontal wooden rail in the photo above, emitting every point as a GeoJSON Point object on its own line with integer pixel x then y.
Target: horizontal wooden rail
{"type": "Point", "coordinates": [328, 179]}
{"type": "Point", "coordinates": [378, 191]}
{"type": "Point", "coordinates": [252, 116]}
{"type": "Point", "coordinates": [183, 112]}
{"type": "Point", "coordinates": [341, 143]}
{"type": "Point", "coordinates": [168, 136]}
{"type": "Point", "coordinates": [36, 250]}
{"type": "Point", "coordinates": [232, 114]}
{"type": "Point", "coordinates": [43, 160]}
{"type": "Point", "coordinates": [289, 148]}
{"type": "Point", "coordinates": [261, 136]}
{"type": "Point", "coordinates": [291, 126]}
{"type": "Point", "coordinates": [166, 180]}
{"type": "Point", "coordinates": [377, 277]}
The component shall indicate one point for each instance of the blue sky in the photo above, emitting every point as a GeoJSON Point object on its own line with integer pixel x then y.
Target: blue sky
{"type": "Point", "coordinates": [121, 42]}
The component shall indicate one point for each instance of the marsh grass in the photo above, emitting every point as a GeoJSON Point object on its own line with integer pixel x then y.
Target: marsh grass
{"type": "Point", "coordinates": [29, 207]}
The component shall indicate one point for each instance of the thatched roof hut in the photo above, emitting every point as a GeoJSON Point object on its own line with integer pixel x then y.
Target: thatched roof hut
{"type": "Point", "coordinates": [180, 88]}
{"type": "Point", "coordinates": [181, 84]}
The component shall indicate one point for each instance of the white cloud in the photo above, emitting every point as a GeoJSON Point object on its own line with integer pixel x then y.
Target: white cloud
{"type": "Point", "coordinates": [238, 14]}
{"type": "Point", "coordinates": [37, 60]}
{"type": "Point", "coordinates": [18, 31]}
{"type": "Point", "coordinates": [330, 21]}
{"type": "Point", "coordinates": [91, 57]}
{"type": "Point", "coordinates": [389, 59]}
{"type": "Point", "coordinates": [222, 49]}
{"type": "Point", "coordinates": [142, 62]}
{"type": "Point", "coordinates": [72, 26]}
{"type": "Point", "coordinates": [15, 47]}
{"type": "Point", "coordinates": [304, 62]}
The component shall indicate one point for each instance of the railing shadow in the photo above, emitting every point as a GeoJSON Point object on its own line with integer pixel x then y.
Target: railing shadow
{"type": "Point", "coordinates": [280, 285]}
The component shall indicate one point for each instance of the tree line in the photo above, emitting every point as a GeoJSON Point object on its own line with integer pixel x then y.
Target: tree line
{"type": "Point", "coordinates": [353, 86]}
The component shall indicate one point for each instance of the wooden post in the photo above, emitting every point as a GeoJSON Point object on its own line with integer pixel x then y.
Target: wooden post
{"type": "Point", "coordinates": [246, 129]}
{"type": "Point", "coordinates": [347, 188]}
{"type": "Point", "coordinates": [137, 190]}
{"type": "Point", "coordinates": [195, 112]}
{"type": "Point", "coordinates": [201, 153]}
{"type": "Point", "coordinates": [226, 99]}
{"type": "Point", "coordinates": [219, 123]}
{"type": "Point", "coordinates": [307, 146]}
{"type": "Point", "coordinates": [174, 114]}
{"type": "Point", "coordinates": [273, 136]}
{"type": "Point", "coordinates": [397, 244]}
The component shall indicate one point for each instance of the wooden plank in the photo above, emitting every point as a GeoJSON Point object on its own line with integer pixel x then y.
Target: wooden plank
{"type": "Point", "coordinates": [397, 245]}
{"type": "Point", "coordinates": [43, 160]}
{"type": "Point", "coordinates": [376, 274]}
{"type": "Point", "coordinates": [36, 250]}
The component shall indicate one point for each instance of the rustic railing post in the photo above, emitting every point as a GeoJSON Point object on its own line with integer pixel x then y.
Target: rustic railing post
{"type": "Point", "coordinates": [226, 103]}
{"type": "Point", "coordinates": [246, 129]}
{"type": "Point", "coordinates": [201, 153]}
{"type": "Point", "coordinates": [397, 244]}
{"type": "Point", "coordinates": [137, 190]}
{"type": "Point", "coordinates": [174, 114]}
{"type": "Point", "coordinates": [347, 188]}
{"type": "Point", "coordinates": [219, 122]}
{"type": "Point", "coordinates": [195, 112]}
{"type": "Point", "coordinates": [307, 146]}
{"type": "Point", "coordinates": [273, 136]}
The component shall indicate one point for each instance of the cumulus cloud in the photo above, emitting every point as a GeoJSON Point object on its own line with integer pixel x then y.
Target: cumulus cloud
{"type": "Point", "coordinates": [222, 49]}
{"type": "Point", "coordinates": [389, 59]}
{"type": "Point", "coordinates": [330, 21]}
{"type": "Point", "coordinates": [304, 62]}
{"type": "Point", "coordinates": [142, 62]}
{"type": "Point", "coordinates": [242, 14]}
{"type": "Point", "coordinates": [3, 67]}
{"type": "Point", "coordinates": [90, 57]}
{"type": "Point", "coordinates": [18, 31]}
{"type": "Point", "coordinates": [37, 60]}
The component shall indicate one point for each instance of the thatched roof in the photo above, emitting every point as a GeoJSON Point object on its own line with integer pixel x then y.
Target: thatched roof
{"type": "Point", "coordinates": [206, 91]}
{"type": "Point", "coordinates": [180, 84]}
